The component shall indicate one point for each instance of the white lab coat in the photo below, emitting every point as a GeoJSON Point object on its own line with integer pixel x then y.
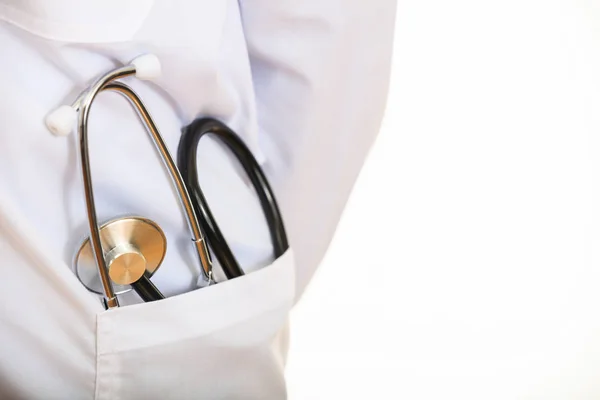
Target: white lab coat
{"type": "Point", "coordinates": [304, 84]}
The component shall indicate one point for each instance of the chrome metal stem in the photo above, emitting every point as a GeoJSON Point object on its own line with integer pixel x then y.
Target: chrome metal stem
{"type": "Point", "coordinates": [85, 103]}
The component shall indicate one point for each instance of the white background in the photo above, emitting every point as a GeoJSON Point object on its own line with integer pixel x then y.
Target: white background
{"type": "Point", "coordinates": [466, 263]}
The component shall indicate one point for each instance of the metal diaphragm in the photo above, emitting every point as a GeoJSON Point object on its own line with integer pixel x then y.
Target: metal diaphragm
{"type": "Point", "coordinates": [132, 246]}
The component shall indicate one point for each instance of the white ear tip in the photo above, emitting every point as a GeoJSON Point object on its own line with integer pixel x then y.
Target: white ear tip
{"type": "Point", "coordinates": [147, 67]}
{"type": "Point", "coordinates": [61, 121]}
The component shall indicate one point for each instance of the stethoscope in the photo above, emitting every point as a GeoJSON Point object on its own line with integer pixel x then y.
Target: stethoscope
{"type": "Point", "coordinates": [122, 254]}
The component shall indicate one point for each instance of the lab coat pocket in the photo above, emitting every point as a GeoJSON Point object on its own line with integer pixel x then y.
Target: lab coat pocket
{"type": "Point", "coordinates": [219, 342]}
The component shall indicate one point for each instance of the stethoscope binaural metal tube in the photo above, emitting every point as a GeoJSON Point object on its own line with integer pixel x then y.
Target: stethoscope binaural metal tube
{"type": "Point", "coordinates": [83, 104]}
{"type": "Point", "coordinates": [176, 178]}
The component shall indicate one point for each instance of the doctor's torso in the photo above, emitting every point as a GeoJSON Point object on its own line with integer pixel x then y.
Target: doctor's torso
{"type": "Point", "coordinates": [58, 351]}
{"type": "Point", "coordinates": [278, 74]}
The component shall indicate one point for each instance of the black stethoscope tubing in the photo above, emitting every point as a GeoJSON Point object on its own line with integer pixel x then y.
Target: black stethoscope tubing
{"type": "Point", "coordinates": [187, 165]}
{"type": "Point", "coordinates": [186, 162]}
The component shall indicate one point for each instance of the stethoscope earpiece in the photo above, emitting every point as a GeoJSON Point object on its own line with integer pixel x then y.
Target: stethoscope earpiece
{"type": "Point", "coordinates": [61, 121]}
{"type": "Point", "coordinates": [147, 67]}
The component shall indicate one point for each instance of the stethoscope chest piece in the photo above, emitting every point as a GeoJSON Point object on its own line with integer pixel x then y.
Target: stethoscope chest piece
{"type": "Point", "coordinates": [132, 247]}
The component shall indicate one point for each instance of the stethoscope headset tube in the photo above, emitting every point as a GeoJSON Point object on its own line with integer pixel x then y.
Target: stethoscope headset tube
{"type": "Point", "coordinates": [144, 68]}
{"type": "Point", "coordinates": [186, 161]}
